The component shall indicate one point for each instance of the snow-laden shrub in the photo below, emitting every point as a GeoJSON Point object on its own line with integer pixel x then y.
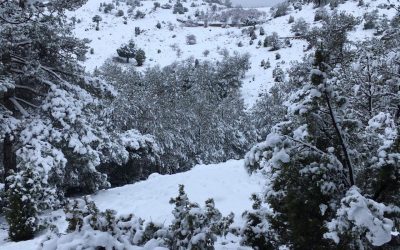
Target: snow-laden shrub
{"type": "Point", "coordinates": [280, 9]}
{"type": "Point", "coordinates": [359, 217]}
{"type": "Point", "coordinates": [371, 19]}
{"type": "Point", "coordinates": [21, 208]}
{"type": "Point", "coordinates": [89, 228]}
{"type": "Point", "coordinates": [191, 39]}
{"type": "Point", "coordinates": [300, 27]}
{"type": "Point", "coordinates": [195, 227]}
{"type": "Point", "coordinates": [321, 14]}
{"type": "Point", "coordinates": [255, 232]}
{"type": "Point", "coordinates": [273, 42]}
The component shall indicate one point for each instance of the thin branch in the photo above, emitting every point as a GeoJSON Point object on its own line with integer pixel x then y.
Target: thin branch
{"type": "Point", "coordinates": [19, 106]}
{"type": "Point", "coordinates": [28, 88]}
{"type": "Point", "coordinates": [306, 145]}
{"type": "Point", "coordinates": [26, 102]}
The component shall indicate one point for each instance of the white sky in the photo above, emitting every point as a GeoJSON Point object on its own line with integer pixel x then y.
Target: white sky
{"type": "Point", "coordinates": [255, 3]}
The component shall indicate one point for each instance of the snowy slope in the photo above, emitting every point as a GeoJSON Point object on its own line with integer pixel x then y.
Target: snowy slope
{"type": "Point", "coordinates": [113, 33]}
{"type": "Point", "coordinates": [172, 35]}
{"type": "Point", "coordinates": [228, 183]}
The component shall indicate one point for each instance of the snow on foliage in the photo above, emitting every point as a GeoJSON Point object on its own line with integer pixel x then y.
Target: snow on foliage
{"type": "Point", "coordinates": [357, 216]}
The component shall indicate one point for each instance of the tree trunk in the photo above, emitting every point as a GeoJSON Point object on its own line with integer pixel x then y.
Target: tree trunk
{"type": "Point", "coordinates": [9, 160]}
{"type": "Point", "coordinates": [127, 60]}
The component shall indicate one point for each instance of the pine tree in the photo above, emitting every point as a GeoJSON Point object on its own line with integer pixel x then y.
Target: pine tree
{"type": "Point", "coordinates": [194, 227]}
{"type": "Point", "coordinates": [140, 57]}
{"type": "Point", "coordinates": [51, 126]}
{"type": "Point", "coordinates": [127, 51]}
{"type": "Point", "coordinates": [97, 19]}
{"type": "Point", "coordinates": [21, 210]}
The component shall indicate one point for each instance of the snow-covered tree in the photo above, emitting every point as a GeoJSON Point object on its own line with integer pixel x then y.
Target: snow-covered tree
{"type": "Point", "coordinates": [140, 57]}
{"type": "Point", "coordinates": [97, 19]}
{"type": "Point", "coordinates": [127, 50]}
{"type": "Point", "coordinates": [194, 227]}
{"type": "Point", "coordinates": [300, 27]}
{"type": "Point", "coordinates": [339, 130]}
{"type": "Point", "coordinates": [255, 232]}
{"type": "Point", "coordinates": [183, 105]}
{"type": "Point", "coordinates": [52, 118]}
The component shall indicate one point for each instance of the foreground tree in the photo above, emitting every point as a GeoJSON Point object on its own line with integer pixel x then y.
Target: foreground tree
{"type": "Point", "coordinates": [329, 142]}
{"type": "Point", "coordinates": [52, 123]}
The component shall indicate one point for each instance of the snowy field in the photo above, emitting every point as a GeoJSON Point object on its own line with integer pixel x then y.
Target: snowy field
{"type": "Point", "coordinates": [228, 183]}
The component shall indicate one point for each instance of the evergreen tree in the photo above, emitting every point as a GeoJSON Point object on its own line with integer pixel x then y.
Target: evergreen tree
{"type": "Point", "coordinates": [140, 57]}
{"type": "Point", "coordinates": [194, 227]}
{"type": "Point", "coordinates": [255, 231]}
{"type": "Point", "coordinates": [97, 19]}
{"type": "Point", "coordinates": [127, 51]}
{"type": "Point", "coordinates": [21, 209]}
{"type": "Point", "coordinates": [52, 123]}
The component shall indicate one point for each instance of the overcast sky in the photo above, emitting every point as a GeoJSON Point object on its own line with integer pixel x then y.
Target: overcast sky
{"type": "Point", "coordinates": [255, 3]}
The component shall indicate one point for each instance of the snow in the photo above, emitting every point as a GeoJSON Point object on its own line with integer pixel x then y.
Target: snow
{"type": "Point", "coordinates": [228, 183]}
{"type": "Point", "coordinates": [171, 38]}
{"type": "Point", "coordinates": [366, 215]}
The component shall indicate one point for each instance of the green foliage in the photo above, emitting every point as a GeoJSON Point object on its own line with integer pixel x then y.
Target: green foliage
{"type": "Point", "coordinates": [21, 210]}
{"type": "Point", "coordinates": [140, 57]}
{"type": "Point", "coordinates": [127, 51]}
{"type": "Point", "coordinates": [273, 42]}
{"type": "Point", "coordinates": [194, 227]}
{"type": "Point", "coordinates": [255, 232]}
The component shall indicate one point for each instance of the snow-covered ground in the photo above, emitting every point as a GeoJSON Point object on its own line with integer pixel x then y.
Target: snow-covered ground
{"type": "Point", "coordinates": [228, 183]}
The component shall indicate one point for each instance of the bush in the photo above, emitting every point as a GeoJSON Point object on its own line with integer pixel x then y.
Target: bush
{"type": "Point", "coordinates": [191, 39]}
{"type": "Point", "coordinates": [320, 14]}
{"type": "Point", "coordinates": [178, 8]}
{"type": "Point", "coordinates": [108, 8]}
{"type": "Point", "coordinates": [137, 31]}
{"type": "Point", "coordinates": [156, 5]}
{"type": "Point", "coordinates": [300, 27]}
{"type": "Point", "coordinates": [127, 50]}
{"type": "Point", "coordinates": [255, 232]}
{"type": "Point", "coordinates": [21, 210]}
{"type": "Point", "coordinates": [140, 57]}
{"type": "Point", "coordinates": [262, 31]}
{"type": "Point", "coordinates": [139, 14]}
{"type": "Point", "coordinates": [120, 13]}
{"type": "Point", "coordinates": [371, 19]}
{"type": "Point", "coordinates": [291, 19]}
{"type": "Point", "coordinates": [273, 42]}
{"type": "Point", "coordinates": [105, 230]}
{"type": "Point", "coordinates": [194, 227]}
{"type": "Point", "coordinates": [281, 9]}
{"type": "Point", "coordinates": [278, 74]}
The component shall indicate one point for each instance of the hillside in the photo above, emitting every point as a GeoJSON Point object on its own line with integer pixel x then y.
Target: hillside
{"type": "Point", "coordinates": [171, 38]}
